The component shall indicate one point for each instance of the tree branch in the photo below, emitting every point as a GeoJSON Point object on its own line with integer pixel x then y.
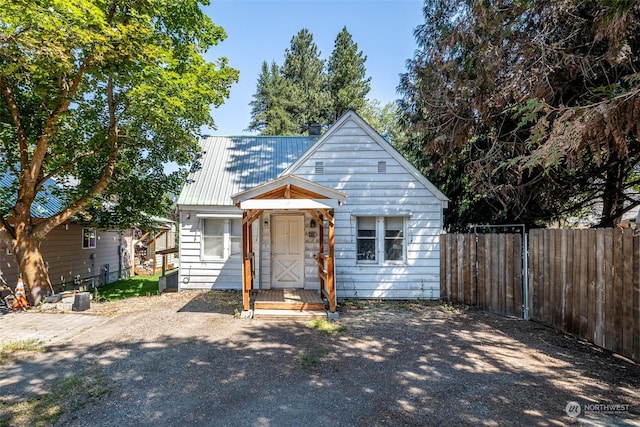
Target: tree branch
{"type": "Point", "coordinates": [15, 116]}
{"type": "Point", "coordinates": [44, 227]}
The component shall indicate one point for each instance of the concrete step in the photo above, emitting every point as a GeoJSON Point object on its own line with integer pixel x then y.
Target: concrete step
{"type": "Point", "coordinates": [271, 314]}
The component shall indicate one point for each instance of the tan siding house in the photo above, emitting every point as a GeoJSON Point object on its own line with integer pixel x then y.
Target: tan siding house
{"type": "Point", "coordinates": [75, 254]}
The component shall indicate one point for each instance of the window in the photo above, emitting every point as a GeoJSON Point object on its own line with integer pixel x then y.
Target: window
{"type": "Point", "coordinates": [236, 236]}
{"type": "Point", "coordinates": [394, 239]}
{"type": "Point", "coordinates": [213, 238]}
{"type": "Point", "coordinates": [366, 239]}
{"type": "Point", "coordinates": [391, 248]}
{"type": "Point", "coordinates": [221, 237]}
{"type": "Point", "coordinates": [88, 238]}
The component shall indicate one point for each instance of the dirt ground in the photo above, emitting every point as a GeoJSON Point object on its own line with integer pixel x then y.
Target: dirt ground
{"type": "Point", "coordinates": [185, 359]}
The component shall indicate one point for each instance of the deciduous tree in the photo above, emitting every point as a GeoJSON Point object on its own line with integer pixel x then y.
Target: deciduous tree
{"type": "Point", "coordinates": [97, 95]}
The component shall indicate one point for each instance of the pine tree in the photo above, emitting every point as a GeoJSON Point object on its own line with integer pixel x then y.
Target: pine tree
{"type": "Point", "coordinates": [348, 84]}
{"type": "Point", "coordinates": [303, 69]}
{"type": "Point", "coordinates": [269, 113]}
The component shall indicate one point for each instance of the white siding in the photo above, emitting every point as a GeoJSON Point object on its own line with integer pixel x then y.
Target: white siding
{"type": "Point", "coordinates": [350, 158]}
{"type": "Point", "coordinates": [197, 273]}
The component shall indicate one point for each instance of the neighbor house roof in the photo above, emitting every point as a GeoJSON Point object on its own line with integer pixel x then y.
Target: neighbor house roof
{"type": "Point", "coordinates": [45, 204]}
{"type": "Point", "coordinates": [233, 164]}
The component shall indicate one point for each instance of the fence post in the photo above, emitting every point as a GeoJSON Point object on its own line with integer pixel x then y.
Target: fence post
{"type": "Point", "coordinates": [525, 274]}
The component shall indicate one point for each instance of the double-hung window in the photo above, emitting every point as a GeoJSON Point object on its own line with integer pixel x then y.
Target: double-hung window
{"type": "Point", "coordinates": [88, 238]}
{"type": "Point", "coordinates": [381, 240]}
{"type": "Point", "coordinates": [221, 237]}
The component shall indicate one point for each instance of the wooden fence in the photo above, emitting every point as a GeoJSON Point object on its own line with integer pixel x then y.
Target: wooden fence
{"type": "Point", "coordinates": [584, 282]}
{"type": "Point", "coordinates": [482, 270]}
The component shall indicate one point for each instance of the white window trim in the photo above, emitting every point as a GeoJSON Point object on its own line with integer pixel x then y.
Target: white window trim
{"type": "Point", "coordinates": [226, 238]}
{"type": "Point", "coordinates": [380, 242]}
{"type": "Point", "coordinates": [95, 240]}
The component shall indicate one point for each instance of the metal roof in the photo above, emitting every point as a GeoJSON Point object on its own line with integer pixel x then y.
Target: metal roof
{"type": "Point", "coordinates": [45, 204]}
{"type": "Point", "coordinates": [232, 164]}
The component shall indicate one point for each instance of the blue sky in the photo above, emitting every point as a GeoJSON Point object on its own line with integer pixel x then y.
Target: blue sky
{"type": "Point", "coordinates": [261, 30]}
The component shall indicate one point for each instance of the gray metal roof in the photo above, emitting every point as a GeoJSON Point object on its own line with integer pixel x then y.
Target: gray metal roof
{"type": "Point", "coordinates": [231, 164]}
{"type": "Point", "coordinates": [45, 204]}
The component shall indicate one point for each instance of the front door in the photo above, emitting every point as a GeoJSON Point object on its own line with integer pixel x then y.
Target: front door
{"type": "Point", "coordinates": [287, 251]}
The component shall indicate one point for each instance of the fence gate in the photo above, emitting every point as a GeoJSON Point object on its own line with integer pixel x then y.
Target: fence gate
{"type": "Point", "coordinates": [486, 270]}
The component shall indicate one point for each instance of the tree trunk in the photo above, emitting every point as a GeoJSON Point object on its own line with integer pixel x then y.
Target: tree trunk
{"type": "Point", "coordinates": [32, 268]}
{"type": "Point", "coordinates": [612, 197]}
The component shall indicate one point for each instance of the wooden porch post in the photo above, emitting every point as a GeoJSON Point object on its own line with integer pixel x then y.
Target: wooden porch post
{"type": "Point", "coordinates": [331, 284]}
{"type": "Point", "coordinates": [247, 277]}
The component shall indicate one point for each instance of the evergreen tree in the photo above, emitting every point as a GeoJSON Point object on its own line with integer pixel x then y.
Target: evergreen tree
{"type": "Point", "coordinates": [528, 111]}
{"type": "Point", "coordinates": [303, 69]}
{"type": "Point", "coordinates": [348, 84]}
{"type": "Point", "coordinates": [269, 109]}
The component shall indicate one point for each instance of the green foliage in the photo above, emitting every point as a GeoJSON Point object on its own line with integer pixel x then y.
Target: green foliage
{"type": "Point", "coordinates": [269, 109]}
{"type": "Point", "coordinates": [72, 75]}
{"type": "Point", "coordinates": [348, 84]}
{"type": "Point", "coordinates": [98, 96]}
{"type": "Point", "coordinates": [303, 70]}
{"type": "Point", "coordinates": [305, 90]}
{"type": "Point", "coordinates": [310, 359]}
{"type": "Point", "coordinates": [66, 396]}
{"type": "Point", "coordinates": [326, 327]}
{"type": "Point", "coordinates": [9, 349]}
{"type": "Point", "coordinates": [135, 286]}
{"type": "Point", "coordinates": [386, 120]}
{"type": "Point", "coordinates": [527, 112]}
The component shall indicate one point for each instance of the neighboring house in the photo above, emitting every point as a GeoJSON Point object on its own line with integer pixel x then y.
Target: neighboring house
{"type": "Point", "coordinates": [75, 255]}
{"type": "Point", "coordinates": [277, 212]}
{"type": "Point", "coordinates": [79, 256]}
{"type": "Point", "coordinates": [155, 249]}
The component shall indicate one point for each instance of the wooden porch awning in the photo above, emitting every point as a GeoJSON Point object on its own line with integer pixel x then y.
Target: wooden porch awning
{"type": "Point", "coordinates": [290, 187]}
{"type": "Point", "coordinates": [293, 193]}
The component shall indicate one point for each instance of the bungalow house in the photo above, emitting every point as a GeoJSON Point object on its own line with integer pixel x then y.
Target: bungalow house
{"type": "Point", "coordinates": [342, 214]}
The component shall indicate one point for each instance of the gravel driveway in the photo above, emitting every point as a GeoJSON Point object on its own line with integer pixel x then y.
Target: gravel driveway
{"type": "Point", "coordinates": [184, 359]}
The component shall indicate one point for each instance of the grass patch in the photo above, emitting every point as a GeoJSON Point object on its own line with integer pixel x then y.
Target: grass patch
{"type": "Point", "coordinates": [310, 359]}
{"type": "Point", "coordinates": [135, 286]}
{"type": "Point", "coordinates": [325, 327]}
{"type": "Point", "coordinates": [224, 298]}
{"type": "Point", "coordinates": [66, 396]}
{"type": "Point", "coordinates": [9, 349]}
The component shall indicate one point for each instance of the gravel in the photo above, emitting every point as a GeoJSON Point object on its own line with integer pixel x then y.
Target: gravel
{"type": "Point", "coordinates": [186, 359]}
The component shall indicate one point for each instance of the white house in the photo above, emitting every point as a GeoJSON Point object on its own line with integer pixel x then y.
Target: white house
{"type": "Point", "coordinates": [343, 212]}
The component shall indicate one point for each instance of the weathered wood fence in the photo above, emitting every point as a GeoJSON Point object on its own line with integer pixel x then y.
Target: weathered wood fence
{"type": "Point", "coordinates": [482, 270]}
{"type": "Point", "coordinates": [584, 282]}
